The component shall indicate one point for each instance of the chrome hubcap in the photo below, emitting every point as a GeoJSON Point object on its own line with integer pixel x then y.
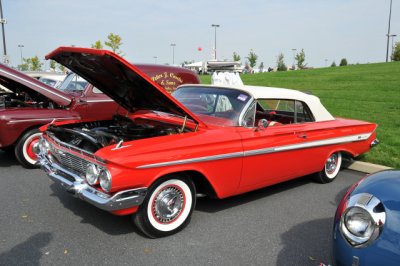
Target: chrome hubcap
{"type": "Point", "coordinates": [168, 204]}
{"type": "Point", "coordinates": [331, 163]}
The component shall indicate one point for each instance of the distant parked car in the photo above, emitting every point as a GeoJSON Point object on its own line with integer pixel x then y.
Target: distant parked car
{"type": "Point", "coordinates": [367, 222]}
{"type": "Point", "coordinates": [53, 79]}
{"type": "Point", "coordinates": [26, 104]}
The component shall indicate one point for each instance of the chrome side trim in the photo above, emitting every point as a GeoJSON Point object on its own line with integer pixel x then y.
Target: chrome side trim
{"type": "Point", "coordinates": [98, 101]}
{"type": "Point", "coordinates": [37, 85]}
{"type": "Point", "coordinates": [42, 119]}
{"type": "Point", "coordinates": [309, 144]}
{"type": "Point", "coordinates": [194, 160]}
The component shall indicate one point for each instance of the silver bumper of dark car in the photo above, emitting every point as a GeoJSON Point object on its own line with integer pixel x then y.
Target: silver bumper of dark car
{"type": "Point", "coordinates": [77, 186]}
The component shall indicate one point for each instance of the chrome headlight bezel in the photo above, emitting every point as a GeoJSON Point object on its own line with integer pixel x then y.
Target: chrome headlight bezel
{"type": "Point", "coordinates": [105, 180]}
{"type": "Point", "coordinates": [363, 220]}
{"type": "Point", "coordinates": [92, 174]}
{"type": "Point", "coordinates": [44, 146]}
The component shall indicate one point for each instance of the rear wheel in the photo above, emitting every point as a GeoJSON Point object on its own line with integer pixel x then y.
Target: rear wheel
{"type": "Point", "coordinates": [331, 168]}
{"type": "Point", "coordinates": [24, 150]}
{"type": "Point", "coordinates": [167, 208]}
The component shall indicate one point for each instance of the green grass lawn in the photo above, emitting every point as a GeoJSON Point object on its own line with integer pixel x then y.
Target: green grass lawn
{"type": "Point", "coordinates": [369, 92]}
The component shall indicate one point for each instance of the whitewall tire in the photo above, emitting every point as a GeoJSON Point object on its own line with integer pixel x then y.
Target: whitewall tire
{"type": "Point", "coordinates": [331, 168]}
{"type": "Point", "coordinates": [167, 208]}
{"type": "Point", "coordinates": [24, 150]}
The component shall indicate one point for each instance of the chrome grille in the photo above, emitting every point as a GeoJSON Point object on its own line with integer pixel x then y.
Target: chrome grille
{"type": "Point", "coordinates": [71, 161]}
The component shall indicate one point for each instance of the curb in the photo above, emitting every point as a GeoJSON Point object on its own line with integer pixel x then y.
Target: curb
{"type": "Point", "coordinates": [368, 168]}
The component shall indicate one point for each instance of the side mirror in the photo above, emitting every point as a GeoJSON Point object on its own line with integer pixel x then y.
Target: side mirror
{"type": "Point", "coordinates": [262, 124]}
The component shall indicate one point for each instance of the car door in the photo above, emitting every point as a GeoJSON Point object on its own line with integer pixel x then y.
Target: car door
{"type": "Point", "coordinates": [273, 154]}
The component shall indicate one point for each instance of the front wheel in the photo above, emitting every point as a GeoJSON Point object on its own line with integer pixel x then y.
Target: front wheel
{"type": "Point", "coordinates": [331, 168]}
{"type": "Point", "coordinates": [167, 208]}
{"type": "Point", "coordinates": [24, 150]}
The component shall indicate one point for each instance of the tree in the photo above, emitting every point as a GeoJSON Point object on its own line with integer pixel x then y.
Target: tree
{"type": "Point", "coordinates": [97, 45]}
{"type": "Point", "coordinates": [333, 64]}
{"type": "Point", "coordinates": [236, 57]}
{"type": "Point", "coordinates": [396, 52]}
{"type": "Point", "coordinates": [114, 42]}
{"type": "Point", "coordinates": [261, 67]}
{"type": "Point", "coordinates": [300, 58]}
{"type": "Point", "coordinates": [280, 63]}
{"type": "Point", "coordinates": [252, 58]}
{"type": "Point", "coordinates": [343, 62]}
{"type": "Point", "coordinates": [53, 65]}
{"type": "Point", "coordinates": [32, 64]}
{"type": "Point", "coordinates": [25, 65]}
{"type": "Point", "coordinates": [61, 68]}
{"type": "Point", "coordinates": [36, 65]}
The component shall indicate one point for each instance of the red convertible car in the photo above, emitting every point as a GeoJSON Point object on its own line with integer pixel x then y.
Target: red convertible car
{"type": "Point", "coordinates": [26, 104]}
{"type": "Point", "coordinates": [218, 141]}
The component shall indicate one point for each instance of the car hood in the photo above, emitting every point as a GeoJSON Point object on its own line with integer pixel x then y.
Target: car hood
{"type": "Point", "coordinates": [13, 79]}
{"type": "Point", "coordinates": [120, 80]}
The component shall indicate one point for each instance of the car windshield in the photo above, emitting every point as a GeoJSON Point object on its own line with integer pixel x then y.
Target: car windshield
{"type": "Point", "coordinates": [213, 105]}
{"type": "Point", "coordinates": [73, 83]}
{"type": "Point", "coordinates": [50, 82]}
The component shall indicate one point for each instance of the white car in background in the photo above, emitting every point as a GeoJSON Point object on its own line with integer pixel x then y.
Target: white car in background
{"type": "Point", "coordinates": [53, 79]}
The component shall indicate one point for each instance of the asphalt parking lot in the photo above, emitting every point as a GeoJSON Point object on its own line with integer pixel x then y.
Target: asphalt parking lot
{"type": "Point", "coordinates": [287, 224]}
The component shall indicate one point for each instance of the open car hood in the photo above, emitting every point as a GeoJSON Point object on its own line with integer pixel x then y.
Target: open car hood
{"type": "Point", "coordinates": [14, 80]}
{"type": "Point", "coordinates": [120, 80]}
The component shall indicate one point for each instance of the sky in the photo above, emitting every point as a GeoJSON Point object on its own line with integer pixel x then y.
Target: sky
{"type": "Point", "coordinates": [327, 30]}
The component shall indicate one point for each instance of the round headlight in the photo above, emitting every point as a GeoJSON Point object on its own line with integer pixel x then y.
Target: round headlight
{"type": "Point", "coordinates": [92, 174]}
{"type": "Point", "coordinates": [105, 180]}
{"type": "Point", "coordinates": [363, 220]}
{"type": "Point", "coordinates": [359, 222]}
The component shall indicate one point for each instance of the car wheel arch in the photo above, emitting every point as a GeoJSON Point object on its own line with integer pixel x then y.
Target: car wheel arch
{"type": "Point", "coordinates": [25, 131]}
{"type": "Point", "coordinates": [200, 180]}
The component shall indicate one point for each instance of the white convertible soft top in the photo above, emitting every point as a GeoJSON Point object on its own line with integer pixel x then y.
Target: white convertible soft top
{"type": "Point", "coordinates": [318, 110]}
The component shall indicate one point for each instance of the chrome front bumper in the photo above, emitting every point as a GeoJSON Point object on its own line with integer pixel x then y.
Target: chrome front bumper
{"type": "Point", "coordinates": [77, 186]}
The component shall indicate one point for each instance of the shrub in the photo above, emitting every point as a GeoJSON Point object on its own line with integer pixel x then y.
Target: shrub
{"type": "Point", "coordinates": [343, 62]}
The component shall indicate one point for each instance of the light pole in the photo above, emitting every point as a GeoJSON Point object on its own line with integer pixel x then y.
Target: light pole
{"type": "Point", "coordinates": [173, 53]}
{"type": "Point", "coordinates": [155, 59]}
{"type": "Point", "coordinates": [294, 57]}
{"type": "Point", "coordinates": [3, 21]}
{"type": "Point", "coordinates": [215, 26]}
{"type": "Point", "coordinates": [20, 49]}
{"type": "Point", "coordinates": [388, 34]}
{"type": "Point", "coordinates": [326, 62]}
{"type": "Point", "coordinates": [392, 35]}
